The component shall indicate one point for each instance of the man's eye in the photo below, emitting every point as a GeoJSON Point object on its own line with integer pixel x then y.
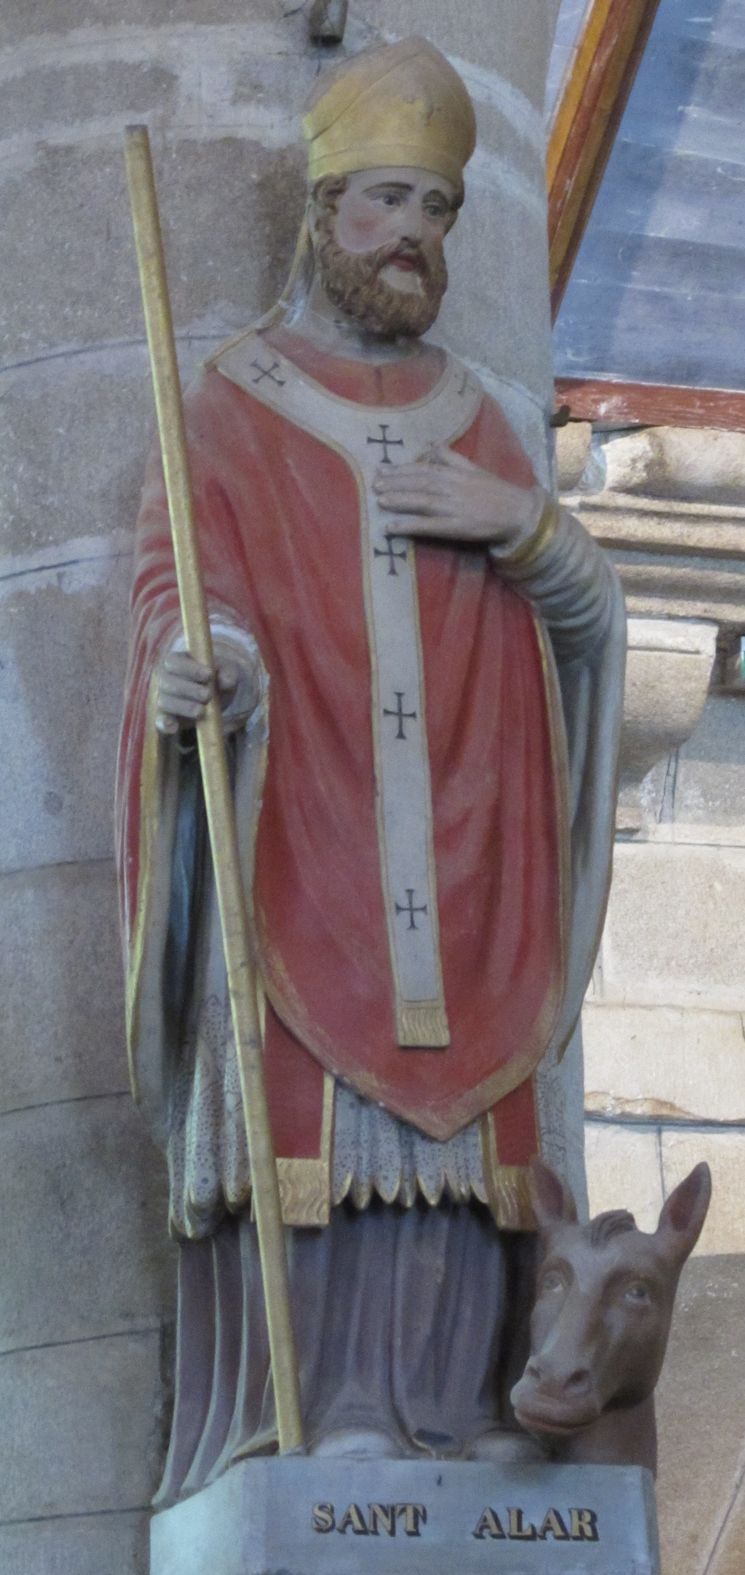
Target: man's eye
{"type": "Point", "coordinates": [390, 199]}
{"type": "Point", "coordinates": [551, 1283]}
{"type": "Point", "coordinates": [434, 211]}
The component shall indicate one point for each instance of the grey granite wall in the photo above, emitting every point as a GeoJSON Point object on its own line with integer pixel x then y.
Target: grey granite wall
{"type": "Point", "coordinates": [86, 1294]}
{"type": "Point", "coordinates": [665, 1087]}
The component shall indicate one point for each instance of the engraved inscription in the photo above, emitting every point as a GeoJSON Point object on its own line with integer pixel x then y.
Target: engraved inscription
{"type": "Point", "coordinates": [511, 1524]}
{"type": "Point", "coordinates": [375, 1521]}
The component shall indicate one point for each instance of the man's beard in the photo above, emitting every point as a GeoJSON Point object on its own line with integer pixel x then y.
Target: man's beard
{"type": "Point", "coordinates": [353, 283]}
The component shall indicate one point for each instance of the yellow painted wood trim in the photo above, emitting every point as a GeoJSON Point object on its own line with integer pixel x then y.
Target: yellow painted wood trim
{"type": "Point", "coordinates": [570, 202]}
{"type": "Point", "coordinates": [575, 82]}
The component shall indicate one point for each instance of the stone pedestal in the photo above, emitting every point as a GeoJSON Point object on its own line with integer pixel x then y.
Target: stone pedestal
{"type": "Point", "coordinates": [297, 1516]}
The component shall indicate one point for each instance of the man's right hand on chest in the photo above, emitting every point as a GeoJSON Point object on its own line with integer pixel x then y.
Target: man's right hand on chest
{"type": "Point", "coordinates": [183, 687]}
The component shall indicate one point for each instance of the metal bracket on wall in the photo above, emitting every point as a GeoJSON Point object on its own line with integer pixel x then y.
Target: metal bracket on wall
{"type": "Point", "coordinates": [328, 19]}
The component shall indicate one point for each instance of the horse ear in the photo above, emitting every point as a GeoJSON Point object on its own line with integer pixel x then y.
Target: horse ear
{"type": "Point", "coordinates": [552, 1201]}
{"type": "Point", "coordinates": [684, 1212]}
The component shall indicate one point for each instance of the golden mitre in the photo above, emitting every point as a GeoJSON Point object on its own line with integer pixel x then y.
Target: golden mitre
{"type": "Point", "coordinates": [393, 106]}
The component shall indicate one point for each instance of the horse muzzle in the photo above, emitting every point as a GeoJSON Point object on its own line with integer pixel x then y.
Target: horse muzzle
{"type": "Point", "coordinates": [555, 1405]}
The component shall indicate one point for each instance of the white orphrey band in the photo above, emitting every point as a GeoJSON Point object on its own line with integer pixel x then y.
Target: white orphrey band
{"type": "Point", "coordinates": [367, 437]}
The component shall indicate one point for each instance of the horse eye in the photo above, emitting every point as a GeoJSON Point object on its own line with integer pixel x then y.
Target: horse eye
{"type": "Point", "coordinates": [637, 1293]}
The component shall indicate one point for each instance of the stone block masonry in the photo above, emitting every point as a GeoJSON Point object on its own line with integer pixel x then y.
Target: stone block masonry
{"type": "Point", "coordinates": [86, 1309]}
{"type": "Point", "coordinates": [665, 1025]}
{"type": "Point", "coordinates": [86, 1301]}
{"type": "Point", "coordinates": [665, 1087]}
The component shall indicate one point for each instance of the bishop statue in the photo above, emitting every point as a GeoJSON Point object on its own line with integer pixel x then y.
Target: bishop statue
{"type": "Point", "coordinates": [420, 660]}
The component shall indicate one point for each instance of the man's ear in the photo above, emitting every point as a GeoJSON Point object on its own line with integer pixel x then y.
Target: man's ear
{"type": "Point", "coordinates": [551, 1198]}
{"type": "Point", "coordinates": [311, 218]}
{"type": "Point", "coordinates": [683, 1214]}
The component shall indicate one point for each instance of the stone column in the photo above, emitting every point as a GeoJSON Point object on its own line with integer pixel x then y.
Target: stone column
{"type": "Point", "coordinates": [87, 1282]}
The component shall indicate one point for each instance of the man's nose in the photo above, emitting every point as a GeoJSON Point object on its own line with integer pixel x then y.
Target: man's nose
{"type": "Point", "coordinates": [412, 221]}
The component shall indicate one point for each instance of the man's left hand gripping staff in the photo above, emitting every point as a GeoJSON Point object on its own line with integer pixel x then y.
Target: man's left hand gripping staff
{"type": "Point", "coordinates": [183, 687]}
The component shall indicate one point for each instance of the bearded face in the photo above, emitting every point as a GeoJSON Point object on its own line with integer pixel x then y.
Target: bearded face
{"type": "Point", "coordinates": [355, 285]}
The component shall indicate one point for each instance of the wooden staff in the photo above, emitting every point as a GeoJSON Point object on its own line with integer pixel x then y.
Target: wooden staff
{"type": "Point", "coordinates": [216, 786]}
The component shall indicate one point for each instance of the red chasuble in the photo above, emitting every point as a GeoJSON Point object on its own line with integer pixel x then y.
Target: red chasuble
{"type": "Point", "coordinates": [280, 530]}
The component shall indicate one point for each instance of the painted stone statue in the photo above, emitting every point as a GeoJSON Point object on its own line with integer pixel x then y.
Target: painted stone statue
{"type": "Point", "coordinates": [599, 1329]}
{"type": "Point", "coordinates": [420, 658]}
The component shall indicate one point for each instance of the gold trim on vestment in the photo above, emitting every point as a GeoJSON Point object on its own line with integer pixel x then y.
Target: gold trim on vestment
{"type": "Point", "coordinates": [305, 1184]}
{"type": "Point", "coordinates": [536, 543]}
{"type": "Point", "coordinates": [506, 1186]}
{"type": "Point", "coordinates": [304, 1191]}
{"type": "Point", "coordinates": [422, 1024]}
{"type": "Point", "coordinates": [560, 762]}
{"type": "Point", "coordinates": [150, 784]}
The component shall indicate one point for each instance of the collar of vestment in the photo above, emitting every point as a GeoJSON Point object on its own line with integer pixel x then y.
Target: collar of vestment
{"type": "Point", "coordinates": [368, 436]}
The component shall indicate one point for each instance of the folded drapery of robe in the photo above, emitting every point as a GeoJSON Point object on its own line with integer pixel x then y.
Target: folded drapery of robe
{"type": "Point", "coordinates": [520, 830]}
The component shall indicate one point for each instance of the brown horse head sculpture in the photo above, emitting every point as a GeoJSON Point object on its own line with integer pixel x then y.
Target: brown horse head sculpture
{"type": "Point", "coordinates": [601, 1320]}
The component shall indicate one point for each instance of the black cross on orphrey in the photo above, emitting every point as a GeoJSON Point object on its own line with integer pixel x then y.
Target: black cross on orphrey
{"type": "Point", "coordinates": [408, 907]}
{"type": "Point", "coordinates": [390, 552]}
{"type": "Point", "coordinates": [385, 442]}
{"type": "Point", "coordinates": [267, 371]}
{"type": "Point", "coordinates": [399, 714]}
